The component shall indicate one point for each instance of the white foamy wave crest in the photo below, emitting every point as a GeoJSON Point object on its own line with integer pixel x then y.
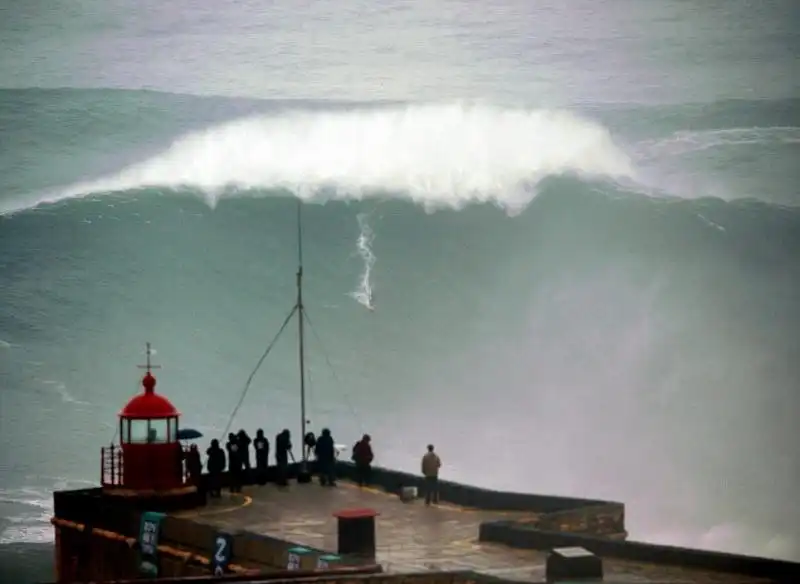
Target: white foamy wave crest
{"type": "Point", "coordinates": [689, 141]}
{"type": "Point", "coordinates": [60, 389]}
{"type": "Point", "coordinates": [27, 510]}
{"type": "Point", "coordinates": [31, 522]}
{"type": "Point", "coordinates": [436, 155]}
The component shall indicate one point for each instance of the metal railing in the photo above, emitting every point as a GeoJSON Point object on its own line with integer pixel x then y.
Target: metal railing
{"type": "Point", "coordinates": [111, 466]}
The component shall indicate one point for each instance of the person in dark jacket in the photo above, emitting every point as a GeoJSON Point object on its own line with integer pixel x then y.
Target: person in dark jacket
{"type": "Point", "coordinates": [215, 465]}
{"type": "Point", "coordinates": [362, 457]}
{"type": "Point", "coordinates": [244, 441]}
{"type": "Point", "coordinates": [283, 448]}
{"type": "Point", "coordinates": [261, 445]}
{"type": "Point", "coordinates": [309, 442]}
{"type": "Point", "coordinates": [234, 463]}
{"type": "Point", "coordinates": [194, 466]}
{"type": "Point", "coordinates": [180, 460]}
{"type": "Point", "coordinates": [325, 453]}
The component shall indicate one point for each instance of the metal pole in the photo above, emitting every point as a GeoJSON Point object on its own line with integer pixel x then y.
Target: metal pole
{"type": "Point", "coordinates": [300, 319]}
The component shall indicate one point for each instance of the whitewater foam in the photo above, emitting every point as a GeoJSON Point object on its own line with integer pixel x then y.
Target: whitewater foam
{"type": "Point", "coordinates": [32, 506]}
{"type": "Point", "coordinates": [687, 142]}
{"type": "Point", "coordinates": [436, 155]}
{"type": "Point", "coordinates": [60, 389]}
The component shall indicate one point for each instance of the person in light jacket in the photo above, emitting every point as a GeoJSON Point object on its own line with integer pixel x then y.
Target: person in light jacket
{"type": "Point", "coordinates": [431, 463]}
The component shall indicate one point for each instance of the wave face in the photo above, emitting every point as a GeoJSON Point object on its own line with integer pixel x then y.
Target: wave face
{"type": "Point", "coordinates": [606, 293]}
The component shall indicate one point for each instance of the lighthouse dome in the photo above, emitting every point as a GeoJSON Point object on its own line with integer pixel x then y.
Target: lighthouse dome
{"type": "Point", "coordinates": [149, 404]}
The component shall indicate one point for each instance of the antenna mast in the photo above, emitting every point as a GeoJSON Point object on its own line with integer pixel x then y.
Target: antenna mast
{"type": "Point", "coordinates": [300, 319]}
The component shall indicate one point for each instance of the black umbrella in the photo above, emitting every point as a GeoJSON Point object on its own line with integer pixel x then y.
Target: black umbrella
{"type": "Point", "coordinates": [189, 434]}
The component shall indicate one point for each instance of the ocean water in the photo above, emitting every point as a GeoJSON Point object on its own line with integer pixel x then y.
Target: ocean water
{"type": "Point", "coordinates": [578, 224]}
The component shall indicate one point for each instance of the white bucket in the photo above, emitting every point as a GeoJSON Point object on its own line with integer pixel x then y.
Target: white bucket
{"type": "Point", "coordinates": [408, 493]}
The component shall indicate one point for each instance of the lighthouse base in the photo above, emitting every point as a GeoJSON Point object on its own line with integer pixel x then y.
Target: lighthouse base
{"type": "Point", "coordinates": [88, 523]}
{"type": "Point", "coordinates": [116, 507]}
{"type": "Point", "coordinates": [184, 491]}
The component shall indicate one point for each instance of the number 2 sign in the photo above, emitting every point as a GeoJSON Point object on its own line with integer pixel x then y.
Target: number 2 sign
{"type": "Point", "coordinates": [222, 553]}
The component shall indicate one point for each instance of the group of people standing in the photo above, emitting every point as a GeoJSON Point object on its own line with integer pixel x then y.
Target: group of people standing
{"type": "Point", "coordinates": [236, 458]}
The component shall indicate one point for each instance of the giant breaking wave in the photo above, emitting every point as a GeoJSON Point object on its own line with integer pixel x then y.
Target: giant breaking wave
{"type": "Point", "coordinates": [444, 155]}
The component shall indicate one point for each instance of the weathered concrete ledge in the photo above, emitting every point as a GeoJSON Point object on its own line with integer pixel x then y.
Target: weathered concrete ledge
{"type": "Point", "coordinates": [458, 494]}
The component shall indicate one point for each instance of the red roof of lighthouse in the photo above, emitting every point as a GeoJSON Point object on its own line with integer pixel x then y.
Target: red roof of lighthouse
{"type": "Point", "coordinates": [148, 404]}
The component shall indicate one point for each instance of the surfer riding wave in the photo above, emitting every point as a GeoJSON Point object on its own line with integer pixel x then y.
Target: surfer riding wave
{"type": "Point", "coordinates": [364, 294]}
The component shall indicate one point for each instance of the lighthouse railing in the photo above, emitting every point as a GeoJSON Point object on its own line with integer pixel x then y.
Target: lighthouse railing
{"type": "Point", "coordinates": [111, 465]}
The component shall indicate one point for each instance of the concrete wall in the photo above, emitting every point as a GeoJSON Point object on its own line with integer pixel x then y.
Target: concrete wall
{"type": "Point", "coordinates": [521, 535]}
{"type": "Point", "coordinates": [611, 515]}
{"type": "Point", "coordinates": [606, 520]}
{"type": "Point", "coordinates": [108, 558]}
{"type": "Point", "coordinates": [456, 493]}
{"type": "Point", "coordinates": [87, 555]}
{"type": "Point", "coordinates": [263, 552]}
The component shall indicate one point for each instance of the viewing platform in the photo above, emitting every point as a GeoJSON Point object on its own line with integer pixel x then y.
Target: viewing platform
{"type": "Point", "coordinates": [152, 516]}
{"type": "Point", "coordinates": [289, 530]}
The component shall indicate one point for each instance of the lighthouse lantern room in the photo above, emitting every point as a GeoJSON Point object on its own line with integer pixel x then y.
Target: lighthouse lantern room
{"type": "Point", "coordinates": [149, 457]}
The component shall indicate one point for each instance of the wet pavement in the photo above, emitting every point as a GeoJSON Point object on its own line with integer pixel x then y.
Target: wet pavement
{"type": "Point", "coordinates": [410, 536]}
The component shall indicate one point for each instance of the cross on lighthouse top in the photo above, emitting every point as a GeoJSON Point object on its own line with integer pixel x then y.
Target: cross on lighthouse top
{"type": "Point", "coordinates": [149, 381]}
{"type": "Point", "coordinates": [149, 365]}
{"type": "Point", "coordinates": [148, 405]}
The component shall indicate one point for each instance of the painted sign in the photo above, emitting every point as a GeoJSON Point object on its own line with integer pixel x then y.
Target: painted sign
{"type": "Point", "coordinates": [293, 562]}
{"type": "Point", "coordinates": [223, 552]}
{"type": "Point", "coordinates": [148, 543]}
{"type": "Point", "coordinates": [325, 561]}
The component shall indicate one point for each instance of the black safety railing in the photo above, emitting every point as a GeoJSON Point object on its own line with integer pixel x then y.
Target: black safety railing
{"type": "Point", "coordinates": [111, 466]}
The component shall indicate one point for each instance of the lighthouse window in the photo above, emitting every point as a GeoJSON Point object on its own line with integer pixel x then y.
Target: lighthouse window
{"type": "Point", "coordinates": [138, 431]}
{"type": "Point", "coordinates": [158, 431]}
{"type": "Point", "coordinates": [148, 431]}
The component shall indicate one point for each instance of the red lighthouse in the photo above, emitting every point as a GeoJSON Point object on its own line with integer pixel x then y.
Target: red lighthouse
{"type": "Point", "coordinates": [149, 458]}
